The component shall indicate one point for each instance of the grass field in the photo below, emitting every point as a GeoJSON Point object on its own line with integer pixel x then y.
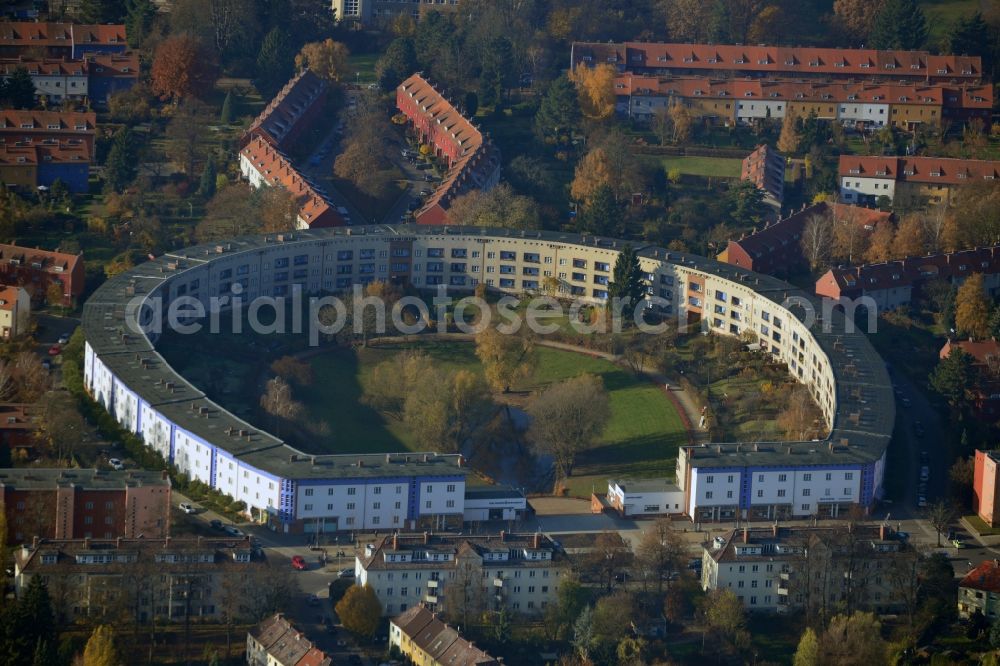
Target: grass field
{"type": "Point", "coordinates": [942, 14]}
{"type": "Point", "coordinates": [363, 67]}
{"type": "Point", "coordinates": [719, 167]}
{"type": "Point", "coordinates": [640, 440]}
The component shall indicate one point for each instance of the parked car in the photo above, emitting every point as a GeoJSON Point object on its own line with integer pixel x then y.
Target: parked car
{"type": "Point", "coordinates": [55, 350]}
{"type": "Point", "coordinates": [345, 573]}
{"type": "Point", "coordinates": [116, 463]}
{"type": "Point", "coordinates": [925, 473]}
{"type": "Point", "coordinates": [425, 192]}
{"type": "Point", "coordinates": [313, 600]}
{"type": "Point", "coordinates": [188, 508]}
{"type": "Point", "coordinates": [921, 501]}
{"type": "Point", "coordinates": [47, 364]}
{"type": "Point", "coordinates": [958, 543]}
{"type": "Point", "coordinates": [906, 402]}
{"type": "Point", "coordinates": [233, 531]}
{"type": "Point", "coordinates": [64, 339]}
{"type": "Point", "coordinates": [298, 563]}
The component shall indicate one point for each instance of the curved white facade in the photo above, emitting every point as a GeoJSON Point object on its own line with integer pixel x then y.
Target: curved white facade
{"type": "Point", "coordinates": [124, 372]}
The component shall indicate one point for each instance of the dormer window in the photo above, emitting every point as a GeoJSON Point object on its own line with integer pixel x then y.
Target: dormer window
{"type": "Point", "coordinates": [865, 65]}
{"type": "Point", "coordinates": [936, 174]}
{"type": "Point", "coordinates": [963, 267]}
{"type": "Point", "coordinates": [814, 63]}
{"type": "Point", "coordinates": [942, 71]}
{"type": "Point", "coordinates": [907, 172]}
{"type": "Point", "coordinates": [851, 98]}
{"type": "Point", "coordinates": [748, 94]}
{"type": "Point", "coordinates": [903, 98]}
{"type": "Point", "coordinates": [740, 61]}
{"type": "Point", "coordinates": [662, 58]}
{"type": "Point", "coordinates": [688, 59]}
{"type": "Point", "coordinates": [855, 171]}
{"type": "Point", "coordinates": [790, 63]}
{"type": "Point", "coordinates": [840, 63]}
{"type": "Point", "coordinates": [895, 276]}
{"type": "Point", "coordinates": [713, 61]}
{"type": "Point", "coordinates": [881, 172]}
{"type": "Point", "coordinates": [890, 65]}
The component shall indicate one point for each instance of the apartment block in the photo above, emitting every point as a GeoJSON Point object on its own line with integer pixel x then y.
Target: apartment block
{"type": "Point", "coordinates": [776, 249]}
{"type": "Point", "coordinates": [514, 571]}
{"type": "Point", "coordinates": [276, 642]}
{"type": "Point", "coordinates": [855, 105]}
{"type": "Point", "coordinates": [36, 269]}
{"type": "Point", "coordinates": [910, 181]}
{"type": "Point", "coordinates": [896, 283]}
{"type": "Point", "coordinates": [424, 639]}
{"type": "Point", "coordinates": [60, 40]}
{"type": "Point", "coordinates": [979, 591]}
{"type": "Point", "coordinates": [15, 312]}
{"type": "Point", "coordinates": [472, 159]}
{"type": "Point", "coordinates": [785, 569]}
{"type": "Point", "coordinates": [82, 503]}
{"type": "Point", "coordinates": [48, 127]}
{"type": "Point", "coordinates": [765, 168]}
{"type": "Point", "coordinates": [18, 422]}
{"type": "Point", "coordinates": [382, 12]}
{"type": "Point", "coordinates": [790, 62]}
{"type": "Point", "coordinates": [156, 579]}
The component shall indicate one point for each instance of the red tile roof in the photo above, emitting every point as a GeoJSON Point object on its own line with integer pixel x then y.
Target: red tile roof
{"type": "Point", "coordinates": [985, 577]}
{"type": "Point", "coordinates": [44, 66]}
{"type": "Point", "coordinates": [51, 262]}
{"type": "Point", "coordinates": [8, 297]}
{"type": "Point", "coordinates": [910, 271]}
{"type": "Point", "coordinates": [276, 169]}
{"type": "Point", "coordinates": [124, 65]}
{"type": "Point", "coordinates": [14, 122]}
{"type": "Point", "coordinates": [971, 97]}
{"type": "Point", "coordinates": [778, 60]}
{"type": "Point", "coordinates": [932, 170]}
{"type": "Point", "coordinates": [28, 34]}
{"type": "Point", "coordinates": [443, 643]}
{"type": "Point", "coordinates": [980, 351]}
{"type": "Point", "coordinates": [287, 108]}
{"type": "Point", "coordinates": [478, 161]}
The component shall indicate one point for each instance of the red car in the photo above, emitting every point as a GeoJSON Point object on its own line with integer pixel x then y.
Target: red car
{"type": "Point", "coordinates": [298, 563]}
{"type": "Point", "coordinates": [55, 350]}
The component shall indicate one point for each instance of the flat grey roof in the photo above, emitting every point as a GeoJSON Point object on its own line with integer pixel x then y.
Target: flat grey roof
{"type": "Point", "coordinates": [862, 424]}
{"type": "Point", "coordinates": [26, 478]}
{"type": "Point", "coordinates": [646, 485]}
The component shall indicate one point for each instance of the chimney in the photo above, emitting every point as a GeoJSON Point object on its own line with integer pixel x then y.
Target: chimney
{"type": "Point", "coordinates": [461, 460]}
{"type": "Point", "coordinates": [883, 532]}
{"type": "Point", "coordinates": [164, 475]}
{"type": "Point", "coordinates": [537, 541]}
{"type": "Point", "coordinates": [395, 541]}
{"type": "Point", "coordinates": [774, 530]}
{"type": "Point", "coordinates": [361, 463]}
{"type": "Point", "coordinates": [118, 542]}
{"type": "Point", "coordinates": [503, 536]}
{"type": "Point", "coordinates": [427, 538]}
{"type": "Point", "coordinates": [35, 541]}
{"type": "Point", "coordinates": [746, 535]}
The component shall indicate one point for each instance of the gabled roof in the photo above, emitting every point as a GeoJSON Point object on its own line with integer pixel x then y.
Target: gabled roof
{"type": "Point", "coordinates": [287, 108]}
{"type": "Point", "coordinates": [981, 351]}
{"type": "Point", "coordinates": [44, 66]}
{"type": "Point", "coordinates": [985, 577]}
{"type": "Point", "coordinates": [442, 643]}
{"type": "Point", "coordinates": [28, 34]}
{"type": "Point", "coordinates": [14, 121]}
{"type": "Point", "coordinates": [776, 59]}
{"type": "Point", "coordinates": [125, 65]}
{"type": "Point", "coordinates": [929, 170]}
{"type": "Point", "coordinates": [286, 645]}
{"type": "Point", "coordinates": [34, 258]}
{"type": "Point", "coordinates": [912, 270]}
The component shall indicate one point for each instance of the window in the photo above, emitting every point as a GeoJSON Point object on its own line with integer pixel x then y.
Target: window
{"type": "Point", "coordinates": [805, 492]}
{"type": "Point", "coordinates": [782, 478]}
{"type": "Point", "coordinates": [309, 492]}
{"type": "Point", "coordinates": [807, 477]}
{"type": "Point", "coordinates": [708, 495]}
{"type": "Point", "coordinates": [848, 476]}
{"type": "Point", "coordinates": [352, 491]}
{"type": "Point", "coordinates": [309, 507]}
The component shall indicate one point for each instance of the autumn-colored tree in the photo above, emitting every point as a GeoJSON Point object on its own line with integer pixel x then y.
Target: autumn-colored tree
{"type": "Point", "coordinates": [293, 370]}
{"type": "Point", "coordinates": [596, 88]}
{"type": "Point", "coordinates": [880, 249]}
{"type": "Point", "coordinates": [788, 141]}
{"type": "Point", "coordinates": [850, 239]}
{"type": "Point", "coordinates": [279, 210]}
{"type": "Point", "coordinates": [593, 171]}
{"type": "Point", "coordinates": [182, 67]}
{"type": "Point", "coordinates": [326, 59]}
{"type": "Point", "coordinates": [682, 123]}
{"type": "Point", "coordinates": [505, 358]}
{"type": "Point", "coordinates": [687, 20]}
{"type": "Point", "coordinates": [101, 649]}
{"type": "Point", "coordinates": [567, 418]}
{"type": "Point", "coordinates": [910, 239]}
{"type": "Point", "coordinates": [360, 611]}
{"type": "Point", "coordinates": [857, 16]}
{"type": "Point", "coordinates": [972, 308]}
{"type": "Point", "coordinates": [769, 26]}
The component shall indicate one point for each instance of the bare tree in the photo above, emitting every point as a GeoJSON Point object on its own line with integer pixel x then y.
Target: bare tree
{"type": "Point", "coordinates": [60, 427]}
{"type": "Point", "coordinates": [568, 418]}
{"type": "Point", "coordinates": [935, 220]}
{"type": "Point", "coordinates": [660, 552]}
{"type": "Point", "coordinates": [608, 557]}
{"type": "Point", "coordinates": [817, 239]}
{"type": "Point", "coordinates": [278, 401]}
{"type": "Point", "coordinates": [940, 515]}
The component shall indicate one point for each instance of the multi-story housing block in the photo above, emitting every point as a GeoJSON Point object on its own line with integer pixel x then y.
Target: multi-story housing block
{"type": "Point", "coordinates": [812, 569]}
{"type": "Point", "coordinates": [84, 503]}
{"type": "Point", "coordinates": [425, 640]}
{"type": "Point", "coordinates": [15, 312]}
{"type": "Point", "coordinates": [910, 181]}
{"type": "Point", "coordinates": [36, 270]}
{"type": "Point", "coordinates": [48, 127]}
{"type": "Point", "coordinates": [765, 168]}
{"type": "Point", "coordinates": [895, 283]}
{"type": "Point", "coordinates": [144, 579]}
{"type": "Point", "coordinates": [381, 12]}
{"type": "Point", "coordinates": [472, 159]}
{"type": "Point", "coordinates": [275, 642]}
{"type": "Point", "coordinates": [55, 79]}
{"type": "Point", "coordinates": [124, 372]}
{"type": "Point", "coordinates": [60, 40]}
{"type": "Point", "coordinates": [857, 105]}
{"type": "Point", "coordinates": [979, 591]}
{"type": "Point", "coordinates": [735, 60]}
{"type": "Point", "coordinates": [514, 571]}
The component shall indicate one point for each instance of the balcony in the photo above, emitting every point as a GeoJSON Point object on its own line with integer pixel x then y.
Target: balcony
{"type": "Point", "coordinates": [431, 598]}
{"type": "Point", "coordinates": [498, 582]}
{"type": "Point", "coordinates": [432, 584]}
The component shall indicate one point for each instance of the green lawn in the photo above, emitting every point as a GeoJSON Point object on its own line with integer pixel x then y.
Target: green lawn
{"type": "Point", "coordinates": [981, 527]}
{"type": "Point", "coordinates": [363, 66]}
{"type": "Point", "coordinates": [719, 167]}
{"type": "Point", "coordinates": [942, 14]}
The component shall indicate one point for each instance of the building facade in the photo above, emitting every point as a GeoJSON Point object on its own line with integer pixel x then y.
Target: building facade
{"type": "Point", "coordinates": [764, 480]}
{"type": "Point", "coordinates": [811, 569]}
{"type": "Point", "coordinates": [447, 573]}
{"type": "Point", "coordinates": [425, 640]}
{"type": "Point", "coordinates": [985, 483]}
{"type": "Point", "coordinates": [765, 168]}
{"type": "Point", "coordinates": [60, 40]}
{"type": "Point", "coordinates": [36, 270]}
{"type": "Point", "coordinates": [48, 127]}
{"type": "Point", "coordinates": [486, 503]}
{"type": "Point", "coordinates": [382, 12]}
{"type": "Point", "coordinates": [15, 312]}
{"type": "Point", "coordinates": [645, 497]}
{"type": "Point", "coordinates": [910, 181]}
{"type": "Point", "coordinates": [734, 60]}
{"type": "Point", "coordinates": [275, 642]}
{"type": "Point", "coordinates": [473, 162]}
{"type": "Point", "coordinates": [84, 504]}
{"type": "Point", "coordinates": [144, 580]}
{"type": "Point", "coordinates": [979, 591]}
{"type": "Point", "coordinates": [895, 283]}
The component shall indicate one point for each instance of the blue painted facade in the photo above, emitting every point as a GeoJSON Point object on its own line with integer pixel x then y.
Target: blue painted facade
{"type": "Point", "coordinates": [74, 175]}
{"type": "Point", "coordinates": [100, 87]}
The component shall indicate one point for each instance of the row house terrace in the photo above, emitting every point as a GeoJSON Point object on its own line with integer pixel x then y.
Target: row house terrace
{"type": "Point", "coordinates": [47, 127]}
{"type": "Point", "coordinates": [291, 112]}
{"type": "Point", "coordinates": [896, 283]}
{"type": "Point", "coordinates": [473, 161]}
{"type": "Point", "coordinates": [28, 166]}
{"type": "Point", "coordinates": [856, 105]}
{"type": "Point", "coordinates": [36, 269]}
{"type": "Point", "coordinates": [910, 181]}
{"type": "Point", "coordinates": [730, 59]}
{"type": "Point", "coordinates": [59, 40]}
